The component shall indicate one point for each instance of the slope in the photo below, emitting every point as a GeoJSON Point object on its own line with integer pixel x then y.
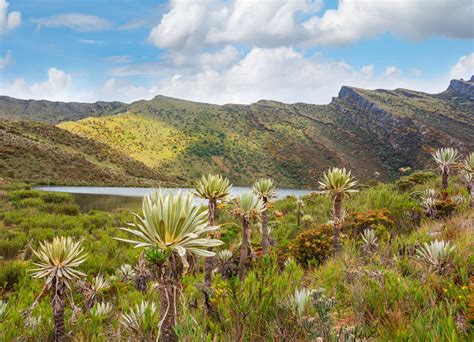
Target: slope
{"type": "Point", "coordinates": [54, 112]}
{"type": "Point", "coordinates": [373, 132]}
{"type": "Point", "coordinates": [44, 153]}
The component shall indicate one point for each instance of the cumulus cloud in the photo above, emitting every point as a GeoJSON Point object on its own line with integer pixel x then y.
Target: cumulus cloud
{"type": "Point", "coordinates": [282, 74]}
{"type": "Point", "coordinates": [192, 24]}
{"type": "Point", "coordinates": [6, 60]}
{"type": "Point", "coordinates": [8, 20]}
{"type": "Point", "coordinates": [75, 21]}
{"type": "Point", "coordinates": [58, 87]}
{"type": "Point", "coordinates": [464, 68]}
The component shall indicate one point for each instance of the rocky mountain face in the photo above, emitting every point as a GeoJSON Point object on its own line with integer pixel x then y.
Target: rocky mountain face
{"type": "Point", "coordinates": [409, 123]}
{"type": "Point", "coordinates": [463, 88]}
{"type": "Point", "coordinates": [373, 132]}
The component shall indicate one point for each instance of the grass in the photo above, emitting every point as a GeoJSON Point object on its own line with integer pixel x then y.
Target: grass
{"type": "Point", "coordinates": [388, 293]}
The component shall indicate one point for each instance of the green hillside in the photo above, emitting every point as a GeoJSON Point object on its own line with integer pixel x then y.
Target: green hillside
{"type": "Point", "coordinates": [54, 112]}
{"type": "Point", "coordinates": [372, 132]}
{"type": "Point", "coordinates": [47, 154]}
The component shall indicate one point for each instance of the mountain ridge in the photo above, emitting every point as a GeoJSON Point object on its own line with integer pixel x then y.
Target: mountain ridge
{"type": "Point", "coordinates": [373, 132]}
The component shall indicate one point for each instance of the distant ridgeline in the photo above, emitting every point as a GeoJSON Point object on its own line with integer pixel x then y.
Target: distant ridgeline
{"type": "Point", "coordinates": [173, 141]}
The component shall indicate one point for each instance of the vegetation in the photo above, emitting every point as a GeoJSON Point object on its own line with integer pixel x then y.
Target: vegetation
{"type": "Point", "coordinates": [181, 140]}
{"type": "Point", "coordinates": [468, 176]}
{"type": "Point", "coordinates": [46, 154]}
{"type": "Point", "coordinates": [266, 191]}
{"type": "Point", "coordinates": [401, 273]}
{"type": "Point", "coordinates": [170, 227]}
{"type": "Point", "coordinates": [338, 184]}
{"type": "Point", "coordinates": [446, 158]}
{"type": "Point", "coordinates": [213, 188]}
{"type": "Point", "coordinates": [58, 262]}
{"type": "Point", "coordinates": [248, 207]}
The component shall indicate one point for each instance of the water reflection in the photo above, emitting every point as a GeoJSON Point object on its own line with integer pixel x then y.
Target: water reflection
{"type": "Point", "coordinates": [107, 202]}
{"type": "Point", "coordinates": [112, 198]}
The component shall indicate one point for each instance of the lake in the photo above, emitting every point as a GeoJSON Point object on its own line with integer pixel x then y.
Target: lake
{"type": "Point", "coordinates": [111, 198]}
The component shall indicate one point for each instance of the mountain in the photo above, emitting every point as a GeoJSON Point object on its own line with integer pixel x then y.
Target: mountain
{"type": "Point", "coordinates": [44, 153]}
{"type": "Point", "coordinates": [373, 132]}
{"type": "Point", "coordinates": [55, 112]}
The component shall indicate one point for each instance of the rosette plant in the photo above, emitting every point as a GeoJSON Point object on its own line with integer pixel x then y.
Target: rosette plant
{"type": "Point", "coordinates": [266, 191]}
{"type": "Point", "coordinates": [446, 158]}
{"type": "Point", "coordinates": [173, 230]}
{"type": "Point", "coordinates": [212, 188]}
{"type": "Point", "coordinates": [468, 176]}
{"type": "Point", "coordinates": [247, 207]}
{"type": "Point", "coordinates": [337, 183]}
{"type": "Point", "coordinates": [57, 264]}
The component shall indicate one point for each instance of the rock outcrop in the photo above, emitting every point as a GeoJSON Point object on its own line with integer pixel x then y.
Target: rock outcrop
{"type": "Point", "coordinates": [464, 88]}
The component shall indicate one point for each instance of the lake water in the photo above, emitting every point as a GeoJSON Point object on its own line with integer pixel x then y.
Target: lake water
{"type": "Point", "coordinates": [111, 198]}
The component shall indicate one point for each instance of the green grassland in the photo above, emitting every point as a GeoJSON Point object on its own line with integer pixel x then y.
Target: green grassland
{"type": "Point", "coordinates": [386, 294]}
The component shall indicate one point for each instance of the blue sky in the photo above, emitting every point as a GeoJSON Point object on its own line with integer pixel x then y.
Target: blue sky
{"type": "Point", "coordinates": [230, 51]}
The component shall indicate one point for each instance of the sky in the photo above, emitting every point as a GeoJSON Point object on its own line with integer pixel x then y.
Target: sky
{"type": "Point", "coordinates": [230, 51]}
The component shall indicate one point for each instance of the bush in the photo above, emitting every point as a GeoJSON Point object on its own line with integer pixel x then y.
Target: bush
{"type": "Point", "coordinates": [10, 273]}
{"type": "Point", "coordinates": [62, 208]}
{"type": "Point", "coordinates": [407, 183]}
{"type": "Point", "coordinates": [372, 219]}
{"type": "Point", "coordinates": [18, 195]}
{"type": "Point", "coordinates": [31, 202]}
{"type": "Point", "coordinates": [444, 208]}
{"type": "Point", "coordinates": [312, 245]}
{"type": "Point", "coordinates": [11, 242]}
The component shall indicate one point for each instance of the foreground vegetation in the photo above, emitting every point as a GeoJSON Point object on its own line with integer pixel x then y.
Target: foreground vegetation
{"type": "Point", "coordinates": [402, 267]}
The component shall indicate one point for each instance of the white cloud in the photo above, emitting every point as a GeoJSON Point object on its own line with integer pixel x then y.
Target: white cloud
{"type": "Point", "coordinates": [7, 60]}
{"type": "Point", "coordinates": [8, 20]}
{"type": "Point", "coordinates": [391, 71]}
{"type": "Point", "coordinates": [464, 68]}
{"type": "Point", "coordinates": [75, 21]}
{"type": "Point", "coordinates": [281, 74]}
{"type": "Point", "coordinates": [221, 58]}
{"type": "Point", "coordinates": [191, 24]}
{"type": "Point", "coordinates": [58, 87]}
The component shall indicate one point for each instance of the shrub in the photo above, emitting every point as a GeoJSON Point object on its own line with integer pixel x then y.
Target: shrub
{"type": "Point", "coordinates": [444, 208]}
{"type": "Point", "coordinates": [62, 208]}
{"type": "Point", "coordinates": [11, 242]}
{"type": "Point", "coordinates": [372, 219]}
{"type": "Point", "coordinates": [407, 183]}
{"type": "Point", "coordinates": [312, 245]}
{"type": "Point", "coordinates": [10, 274]}
{"type": "Point", "coordinates": [31, 202]}
{"type": "Point", "coordinates": [18, 195]}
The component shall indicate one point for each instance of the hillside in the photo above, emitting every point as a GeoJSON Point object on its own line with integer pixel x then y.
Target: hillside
{"type": "Point", "coordinates": [367, 131]}
{"type": "Point", "coordinates": [55, 112]}
{"type": "Point", "coordinates": [44, 153]}
{"type": "Point", "coordinates": [373, 132]}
